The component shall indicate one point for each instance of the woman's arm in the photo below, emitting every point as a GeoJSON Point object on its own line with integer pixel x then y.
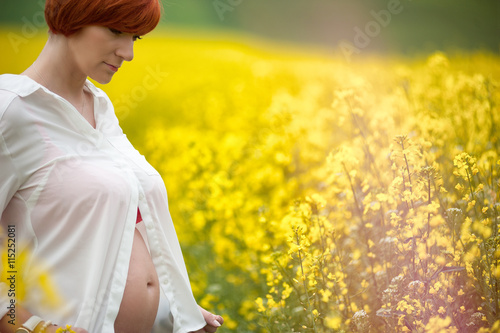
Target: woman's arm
{"type": "Point", "coordinates": [21, 316]}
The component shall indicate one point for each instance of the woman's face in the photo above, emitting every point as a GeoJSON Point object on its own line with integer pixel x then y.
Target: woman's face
{"type": "Point", "coordinates": [98, 52]}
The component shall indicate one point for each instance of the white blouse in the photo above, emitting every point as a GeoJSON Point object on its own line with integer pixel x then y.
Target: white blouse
{"type": "Point", "coordinates": [72, 193]}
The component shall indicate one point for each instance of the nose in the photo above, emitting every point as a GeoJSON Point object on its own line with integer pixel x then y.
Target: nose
{"type": "Point", "coordinates": [126, 49]}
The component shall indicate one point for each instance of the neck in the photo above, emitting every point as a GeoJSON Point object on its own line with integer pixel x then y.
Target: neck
{"type": "Point", "coordinates": [57, 71]}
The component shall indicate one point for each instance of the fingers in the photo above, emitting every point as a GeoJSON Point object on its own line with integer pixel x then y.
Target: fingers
{"type": "Point", "coordinates": [216, 323]}
{"type": "Point", "coordinates": [219, 319]}
{"type": "Point", "coordinates": [210, 329]}
{"type": "Point", "coordinates": [211, 319]}
{"type": "Point", "coordinates": [207, 329]}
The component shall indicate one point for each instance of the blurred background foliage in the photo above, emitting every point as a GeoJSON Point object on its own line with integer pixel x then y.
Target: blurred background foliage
{"type": "Point", "coordinates": [421, 27]}
{"type": "Point", "coordinates": [241, 127]}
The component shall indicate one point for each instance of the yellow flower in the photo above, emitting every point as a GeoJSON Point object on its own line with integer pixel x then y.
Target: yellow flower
{"type": "Point", "coordinates": [325, 295]}
{"type": "Point", "coordinates": [260, 304]}
{"type": "Point", "coordinates": [64, 330]}
{"type": "Point", "coordinates": [471, 204]}
{"type": "Point", "coordinates": [287, 291]}
{"type": "Point", "coordinates": [333, 322]}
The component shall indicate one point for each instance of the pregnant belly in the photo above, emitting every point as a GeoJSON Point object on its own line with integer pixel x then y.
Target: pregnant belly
{"type": "Point", "coordinates": [142, 292]}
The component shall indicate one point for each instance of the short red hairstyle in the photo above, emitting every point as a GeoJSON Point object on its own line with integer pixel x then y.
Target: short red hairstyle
{"type": "Point", "coordinates": [130, 16]}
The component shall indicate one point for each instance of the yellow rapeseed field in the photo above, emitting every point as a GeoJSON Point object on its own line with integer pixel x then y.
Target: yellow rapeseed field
{"type": "Point", "coordinates": [312, 194]}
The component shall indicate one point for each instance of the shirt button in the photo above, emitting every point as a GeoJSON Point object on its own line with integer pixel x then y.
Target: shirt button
{"type": "Point", "coordinates": [141, 196]}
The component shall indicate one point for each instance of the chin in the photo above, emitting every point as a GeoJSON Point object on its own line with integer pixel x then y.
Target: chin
{"type": "Point", "coordinates": [102, 80]}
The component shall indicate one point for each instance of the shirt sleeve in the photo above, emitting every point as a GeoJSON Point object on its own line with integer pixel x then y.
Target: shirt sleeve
{"type": "Point", "coordinates": [8, 186]}
{"type": "Point", "coordinates": [8, 175]}
{"type": "Point", "coordinates": [9, 183]}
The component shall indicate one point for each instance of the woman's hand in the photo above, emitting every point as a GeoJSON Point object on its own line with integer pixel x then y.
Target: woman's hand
{"type": "Point", "coordinates": [23, 315]}
{"type": "Point", "coordinates": [213, 322]}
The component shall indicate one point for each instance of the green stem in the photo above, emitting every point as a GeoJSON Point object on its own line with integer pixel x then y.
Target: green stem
{"type": "Point", "coordinates": [408, 170]}
{"type": "Point", "coordinates": [304, 281]}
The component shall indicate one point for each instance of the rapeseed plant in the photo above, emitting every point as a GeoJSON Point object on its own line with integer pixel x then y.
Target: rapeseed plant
{"type": "Point", "coordinates": [314, 196]}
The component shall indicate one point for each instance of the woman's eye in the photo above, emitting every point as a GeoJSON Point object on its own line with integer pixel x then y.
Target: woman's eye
{"type": "Point", "coordinates": [116, 32]}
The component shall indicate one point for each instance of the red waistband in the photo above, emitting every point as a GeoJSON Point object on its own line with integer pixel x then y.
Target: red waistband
{"type": "Point", "coordinates": [139, 217]}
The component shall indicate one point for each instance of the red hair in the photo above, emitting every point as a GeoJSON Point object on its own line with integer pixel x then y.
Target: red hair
{"type": "Point", "coordinates": [130, 16]}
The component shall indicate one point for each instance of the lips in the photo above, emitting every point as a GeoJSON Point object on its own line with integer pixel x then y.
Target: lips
{"type": "Point", "coordinates": [113, 68]}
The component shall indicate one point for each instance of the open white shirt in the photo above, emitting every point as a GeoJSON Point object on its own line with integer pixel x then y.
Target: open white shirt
{"type": "Point", "coordinates": [72, 193]}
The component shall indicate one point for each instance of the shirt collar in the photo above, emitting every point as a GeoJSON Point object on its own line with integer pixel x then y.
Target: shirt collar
{"type": "Point", "coordinates": [24, 86]}
{"type": "Point", "coordinates": [19, 84]}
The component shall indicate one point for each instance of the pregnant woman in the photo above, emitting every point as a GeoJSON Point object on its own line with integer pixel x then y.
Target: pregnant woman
{"type": "Point", "coordinates": [84, 204]}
